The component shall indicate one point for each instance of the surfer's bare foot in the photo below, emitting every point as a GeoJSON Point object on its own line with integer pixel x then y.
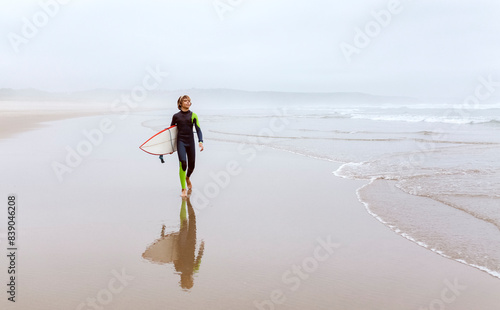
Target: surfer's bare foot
{"type": "Point", "coordinates": [190, 186]}
{"type": "Point", "coordinates": [184, 193]}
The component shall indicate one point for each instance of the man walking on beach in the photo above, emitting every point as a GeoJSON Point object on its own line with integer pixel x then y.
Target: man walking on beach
{"type": "Point", "coordinates": [186, 149]}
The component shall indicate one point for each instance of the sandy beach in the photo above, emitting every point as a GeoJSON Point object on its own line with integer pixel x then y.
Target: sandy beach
{"type": "Point", "coordinates": [20, 122]}
{"type": "Point", "coordinates": [276, 230]}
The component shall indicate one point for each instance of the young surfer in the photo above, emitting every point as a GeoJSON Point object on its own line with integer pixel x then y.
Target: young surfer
{"type": "Point", "coordinates": [186, 148]}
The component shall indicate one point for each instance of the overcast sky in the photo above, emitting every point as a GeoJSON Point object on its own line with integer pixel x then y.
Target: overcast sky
{"type": "Point", "coordinates": [416, 48]}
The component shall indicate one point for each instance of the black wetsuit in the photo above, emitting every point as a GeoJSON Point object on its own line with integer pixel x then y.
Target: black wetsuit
{"type": "Point", "coordinates": [186, 147]}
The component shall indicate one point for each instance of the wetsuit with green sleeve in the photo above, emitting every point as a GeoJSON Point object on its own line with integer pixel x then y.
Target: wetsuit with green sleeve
{"type": "Point", "coordinates": [186, 148]}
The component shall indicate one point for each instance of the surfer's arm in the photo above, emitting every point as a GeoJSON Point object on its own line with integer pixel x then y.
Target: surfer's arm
{"type": "Point", "coordinates": [174, 121]}
{"type": "Point", "coordinates": [198, 129]}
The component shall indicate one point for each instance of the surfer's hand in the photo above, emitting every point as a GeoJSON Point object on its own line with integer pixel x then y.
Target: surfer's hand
{"type": "Point", "coordinates": [201, 146]}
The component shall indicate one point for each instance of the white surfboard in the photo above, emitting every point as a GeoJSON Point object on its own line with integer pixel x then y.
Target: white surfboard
{"type": "Point", "coordinates": [164, 142]}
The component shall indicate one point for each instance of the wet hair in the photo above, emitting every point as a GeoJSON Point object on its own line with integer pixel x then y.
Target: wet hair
{"type": "Point", "coordinates": [179, 101]}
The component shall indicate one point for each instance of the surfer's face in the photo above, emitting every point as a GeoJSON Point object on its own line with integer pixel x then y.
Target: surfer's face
{"type": "Point", "coordinates": [186, 103]}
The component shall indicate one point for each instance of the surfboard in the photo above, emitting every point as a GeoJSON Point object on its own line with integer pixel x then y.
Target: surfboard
{"type": "Point", "coordinates": [164, 142]}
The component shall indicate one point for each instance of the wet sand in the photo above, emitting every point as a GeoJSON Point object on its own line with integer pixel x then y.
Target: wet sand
{"type": "Point", "coordinates": [274, 231]}
{"type": "Point", "coordinates": [20, 122]}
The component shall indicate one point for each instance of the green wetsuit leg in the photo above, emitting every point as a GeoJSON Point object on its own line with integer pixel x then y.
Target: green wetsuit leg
{"type": "Point", "coordinates": [182, 176]}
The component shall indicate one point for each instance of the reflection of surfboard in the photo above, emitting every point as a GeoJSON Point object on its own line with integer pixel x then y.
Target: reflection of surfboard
{"type": "Point", "coordinates": [164, 250]}
{"type": "Point", "coordinates": [162, 143]}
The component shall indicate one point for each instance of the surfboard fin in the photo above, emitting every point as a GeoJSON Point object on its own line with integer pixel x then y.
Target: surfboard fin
{"type": "Point", "coordinates": [161, 158]}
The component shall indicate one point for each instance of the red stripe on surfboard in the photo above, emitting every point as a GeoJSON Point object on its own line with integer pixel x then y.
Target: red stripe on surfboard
{"type": "Point", "coordinates": [152, 138]}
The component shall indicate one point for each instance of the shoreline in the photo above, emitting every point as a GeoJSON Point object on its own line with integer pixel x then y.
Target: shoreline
{"type": "Point", "coordinates": [393, 227]}
{"type": "Point", "coordinates": [19, 122]}
{"type": "Point", "coordinates": [14, 121]}
{"type": "Point", "coordinates": [422, 244]}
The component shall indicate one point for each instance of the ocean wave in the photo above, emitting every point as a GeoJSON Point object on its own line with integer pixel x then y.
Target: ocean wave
{"type": "Point", "coordinates": [441, 106]}
{"type": "Point", "coordinates": [446, 231]}
{"type": "Point", "coordinates": [494, 122]}
{"type": "Point", "coordinates": [447, 206]}
{"type": "Point", "coordinates": [447, 116]}
{"type": "Point", "coordinates": [427, 119]}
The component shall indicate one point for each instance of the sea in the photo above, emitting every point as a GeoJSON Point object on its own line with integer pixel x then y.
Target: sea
{"type": "Point", "coordinates": [432, 170]}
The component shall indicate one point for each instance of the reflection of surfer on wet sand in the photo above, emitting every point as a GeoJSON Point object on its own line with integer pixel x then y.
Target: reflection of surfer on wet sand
{"type": "Point", "coordinates": [179, 247]}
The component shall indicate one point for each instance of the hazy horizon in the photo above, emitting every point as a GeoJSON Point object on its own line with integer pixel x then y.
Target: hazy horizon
{"type": "Point", "coordinates": [405, 48]}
